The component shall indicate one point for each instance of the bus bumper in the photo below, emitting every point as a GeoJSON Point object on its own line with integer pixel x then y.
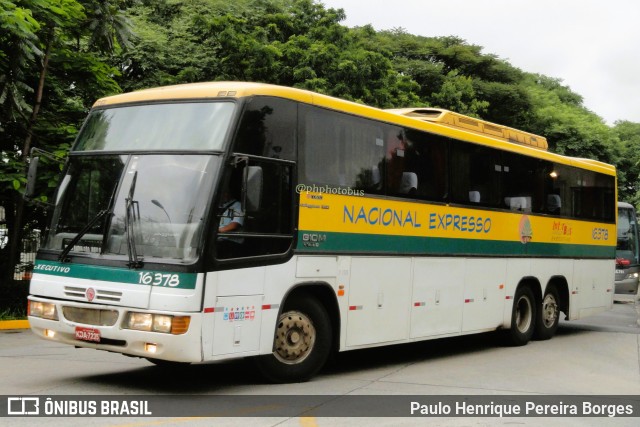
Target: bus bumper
{"type": "Point", "coordinates": [626, 286]}
{"type": "Point", "coordinates": [115, 338]}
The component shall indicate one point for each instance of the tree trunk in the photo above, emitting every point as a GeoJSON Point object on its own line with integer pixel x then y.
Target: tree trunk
{"type": "Point", "coordinates": [17, 231]}
{"type": "Point", "coordinates": [38, 102]}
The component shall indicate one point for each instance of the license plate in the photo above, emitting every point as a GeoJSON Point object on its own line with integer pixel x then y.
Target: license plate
{"type": "Point", "coordinates": [619, 271]}
{"type": "Point", "coordinates": [87, 334]}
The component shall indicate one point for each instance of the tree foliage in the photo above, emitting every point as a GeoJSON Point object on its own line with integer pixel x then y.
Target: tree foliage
{"type": "Point", "coordinates": [58, 56]}
{"type": "Point", "coordinates": [53, 64]}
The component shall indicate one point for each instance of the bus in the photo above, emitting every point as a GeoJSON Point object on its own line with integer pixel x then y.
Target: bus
{"type": "Point", "coordinates": [627, 251]}
{"type": "Point", "coordinates": [213, 221]}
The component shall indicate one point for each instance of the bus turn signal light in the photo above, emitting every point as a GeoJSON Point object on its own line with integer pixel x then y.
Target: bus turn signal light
{"type": "Point", "coordinates": [180, 325]}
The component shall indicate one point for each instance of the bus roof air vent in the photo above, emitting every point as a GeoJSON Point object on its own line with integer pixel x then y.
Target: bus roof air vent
{"type": "Point", "coordinates": [471, 124]}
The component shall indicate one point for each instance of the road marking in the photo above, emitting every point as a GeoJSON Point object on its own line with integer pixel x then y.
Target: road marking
{"type": "Point", "coordinates": [308, 422]}
{"type": "Point", "coordinates": [14, 324]}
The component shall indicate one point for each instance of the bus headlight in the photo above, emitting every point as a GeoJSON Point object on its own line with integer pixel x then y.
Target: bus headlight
{"type": "Point", "coordinates": [139, 321]}
{"type": "Point", "coordinates": [43, 310]}
{"type": "Point", "coordinates": [164, 323]}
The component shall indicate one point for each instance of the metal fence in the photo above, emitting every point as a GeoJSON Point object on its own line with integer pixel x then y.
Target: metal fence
{"type": "Point", "coordinates": [30, 245]}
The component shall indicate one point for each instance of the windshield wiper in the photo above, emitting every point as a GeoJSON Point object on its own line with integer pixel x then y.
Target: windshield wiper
{"type": "Point", "coordinates": [129, 220]}
{"type": "Point", "coordinates": [85, 229]}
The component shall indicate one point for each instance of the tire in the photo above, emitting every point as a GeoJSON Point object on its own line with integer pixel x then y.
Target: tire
{"type": "Point", "coordinates": [523, 317]}
{"type": "Point", "coordinates": [302, 343]}
{"type": "Point", "coordinates": [549, 315]}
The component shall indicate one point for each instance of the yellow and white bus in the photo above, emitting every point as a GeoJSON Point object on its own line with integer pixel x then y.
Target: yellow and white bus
{"type": "Point", "coordinates": [223, 220]}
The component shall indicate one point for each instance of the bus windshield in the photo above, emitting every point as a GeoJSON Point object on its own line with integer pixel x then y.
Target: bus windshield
{"type": "Point", "coordinates": [176, 126]}
{"type": "Point", "coordinates": [627, 246]}
{"type": "Point", "coordinates": [155, 206]}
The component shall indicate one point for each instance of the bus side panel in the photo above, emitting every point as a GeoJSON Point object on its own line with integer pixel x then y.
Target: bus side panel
{"type": "Point", "coordinates": [241, 281]}
{"type": "Point", "coordinates": [437, 294]}
{"type": "Point", "coordinates": [278, 281]}
{"type": "Point", "coordinates": [379, 300]}
{"type": "Point", "coordinates": [484, 294]}
{"type": "Point", "coordinates": [593, 287]}
{"type": "Point", "coordinates": [237, 325]}
{"type": "Point", "coordinates": [174, 299]}
{"type": "Point", "coordinates": [235, 300]}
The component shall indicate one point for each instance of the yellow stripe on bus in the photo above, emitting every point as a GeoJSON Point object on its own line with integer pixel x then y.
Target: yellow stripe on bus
{"type": "Point", "coordinates": [365, 215]}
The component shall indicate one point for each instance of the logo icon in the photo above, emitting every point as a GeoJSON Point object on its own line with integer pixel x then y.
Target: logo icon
{"type": "Point", "coordinates": [23, 406]}
{"type": "Point", "coordinates": [526, 231]}
{"type": "Point", "coordinates": [90, 294]}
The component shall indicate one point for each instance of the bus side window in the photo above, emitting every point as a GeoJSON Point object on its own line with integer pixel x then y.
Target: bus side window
{"type": "Point", "coordinates": [230, 217]}
{"type": "Point", "coordinates": [395, 161]}
{"type": "Point", "coordinates": [426, 165]}
{"type": "Point", "coordinates": [554, 203]}
{"type": "Point", "coordinates": [339, 150]}
{"type": "Point", "coordinates": [267, 128]}
{"type": "Point", "coordinates": [476, 170]}
{"type": "Point", "coordinates": [267, 218]}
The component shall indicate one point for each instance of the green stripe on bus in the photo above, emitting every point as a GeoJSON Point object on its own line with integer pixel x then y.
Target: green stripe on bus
{"type": "Point", "coordinates": [118, 275]}
{"type": "Point", "coordinates": [379, 243]}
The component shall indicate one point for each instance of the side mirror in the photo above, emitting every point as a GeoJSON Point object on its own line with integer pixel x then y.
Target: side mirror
{"type": "Point", "coordinates": [32, 177]}
{"type": "Point", "coordinates": [252, 188]}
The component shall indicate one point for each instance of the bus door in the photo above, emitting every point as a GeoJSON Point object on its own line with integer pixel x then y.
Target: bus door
{"type": "Point", "coordinates": [256, 194]}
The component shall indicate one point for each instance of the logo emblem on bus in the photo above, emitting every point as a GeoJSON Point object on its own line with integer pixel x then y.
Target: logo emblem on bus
{"type": "Point", "coordinates": [90, 294]}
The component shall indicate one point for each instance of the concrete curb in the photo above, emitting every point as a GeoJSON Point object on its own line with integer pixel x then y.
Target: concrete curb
{"type": "Point", "coordinates": [14, 324]}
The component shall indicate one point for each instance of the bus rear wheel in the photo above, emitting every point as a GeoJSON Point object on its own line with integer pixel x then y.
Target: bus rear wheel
{"type": "Point", "coordinates": [523, 317]}
{"type": "Point", "coordinates": [302, 343]}
{"type": "Point", "coordinates": [547, 320]}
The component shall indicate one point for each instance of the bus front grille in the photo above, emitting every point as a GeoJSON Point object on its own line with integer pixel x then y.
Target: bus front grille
{"type": "Point", "coordinates": [100, 294]}
{"type": "Point", "coordinates": [90, 316]}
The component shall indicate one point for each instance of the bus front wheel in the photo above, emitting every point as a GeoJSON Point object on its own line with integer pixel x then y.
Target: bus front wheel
{"type": "Point", "coordinates": [523, 317]}
{"type": "Point", "coordinates": [547, 320]}
{"type": "Point", "coordinates": [302, 343]}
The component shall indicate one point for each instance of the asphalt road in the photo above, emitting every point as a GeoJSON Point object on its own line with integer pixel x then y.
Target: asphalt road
{"type": "Point", "coordinates": [596, 356]}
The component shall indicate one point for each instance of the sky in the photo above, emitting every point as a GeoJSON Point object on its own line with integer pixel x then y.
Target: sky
{"type": "Point", "coordinates": [591, 46]}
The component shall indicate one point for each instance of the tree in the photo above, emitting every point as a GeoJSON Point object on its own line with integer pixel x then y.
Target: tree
{"type": "Point", "coordinates": [291, 42]}
{"type": "Point", "coordinates": [629, 161]}
{"type": "Point", "coordinates": [570, 128]}
{"type": "Point", "coordinates": [457, 94]}
{"type": "Point", "coordinates": [49, 58]}
{"type": "Point", "coordinates": [58, 56]}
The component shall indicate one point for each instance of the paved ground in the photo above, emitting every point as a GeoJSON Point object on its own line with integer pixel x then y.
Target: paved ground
{"type": "Point", "coordinates": [596, 356]}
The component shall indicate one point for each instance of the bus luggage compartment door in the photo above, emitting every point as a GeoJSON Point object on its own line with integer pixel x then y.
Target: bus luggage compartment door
{"type": "Point", "coordinates": [237, 324]}
{"type": "Point", "coordinates": [379, 300]}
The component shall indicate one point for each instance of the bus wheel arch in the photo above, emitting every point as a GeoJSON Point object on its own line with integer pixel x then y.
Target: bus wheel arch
{"type": "Point", "coordinates": [523, 312]}
{"type": "Point", "coordinates": [554, 300]}
{"type": "Point", "coordinates": [305, 335]}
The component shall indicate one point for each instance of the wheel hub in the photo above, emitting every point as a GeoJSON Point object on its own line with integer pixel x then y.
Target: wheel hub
{"type": "Point", "coordinates": [549, 311]}
{"type": "Point", "coordinates": [295, 337]}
